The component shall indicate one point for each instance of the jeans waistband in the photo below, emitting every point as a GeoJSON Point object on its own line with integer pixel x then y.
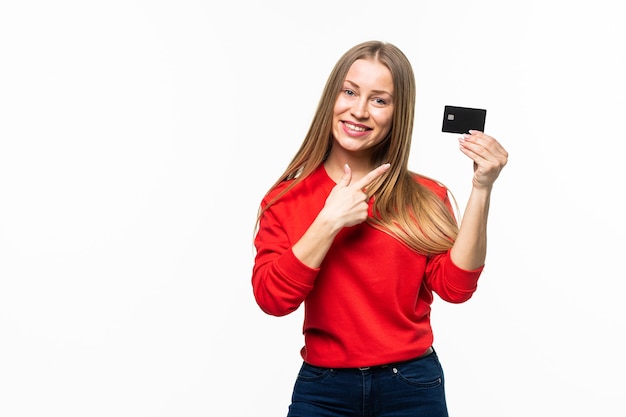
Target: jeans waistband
{"type": "Point", "coordinates": [428, 352]}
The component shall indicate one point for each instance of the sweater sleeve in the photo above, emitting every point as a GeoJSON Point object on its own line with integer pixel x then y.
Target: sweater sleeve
{"type": "Point", "coordinates": [450, 282]}
{"type": "Point", "coordinates": [443, 276]}
{"type": "Point", "coordinates": [280, 281]}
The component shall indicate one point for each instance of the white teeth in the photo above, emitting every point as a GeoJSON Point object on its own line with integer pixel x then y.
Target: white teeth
{"type": "Point", "coordinates": [353, 127]}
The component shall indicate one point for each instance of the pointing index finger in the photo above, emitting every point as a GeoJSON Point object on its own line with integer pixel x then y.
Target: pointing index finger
{"type": "Point", "coordinates": [372, 176]}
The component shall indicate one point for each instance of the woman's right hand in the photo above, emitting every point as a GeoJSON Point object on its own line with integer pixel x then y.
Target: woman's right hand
{"type": "Point", "coordinates": [347, 203]}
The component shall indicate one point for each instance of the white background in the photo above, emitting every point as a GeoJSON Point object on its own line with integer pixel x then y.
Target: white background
{"type": "Point", "coordinates": [138, 137]}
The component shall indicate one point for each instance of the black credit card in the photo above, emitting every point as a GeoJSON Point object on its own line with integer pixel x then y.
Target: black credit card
{"type": "Point", "coordinates": [463, 119]}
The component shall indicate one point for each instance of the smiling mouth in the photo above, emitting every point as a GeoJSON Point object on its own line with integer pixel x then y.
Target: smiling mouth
{"type": "Point", "coordinates": [355, 127]}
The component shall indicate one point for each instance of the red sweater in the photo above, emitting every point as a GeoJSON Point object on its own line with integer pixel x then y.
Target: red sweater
{"type": "Point", "coordinates": [369, 302]}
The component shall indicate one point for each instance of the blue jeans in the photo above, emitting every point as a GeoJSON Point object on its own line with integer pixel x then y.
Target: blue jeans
{"type": "Point", "coordinates": [409, 389]}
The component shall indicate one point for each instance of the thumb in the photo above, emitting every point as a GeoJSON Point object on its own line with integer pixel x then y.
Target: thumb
{"type": "Point", "coordinates": [347, 176]}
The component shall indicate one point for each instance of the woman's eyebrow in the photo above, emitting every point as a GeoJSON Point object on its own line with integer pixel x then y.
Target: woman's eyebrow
{"type": "Point", "coordinates": [373, 91]}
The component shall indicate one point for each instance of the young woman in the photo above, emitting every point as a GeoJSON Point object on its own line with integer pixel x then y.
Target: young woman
{"type": "Point", "coordinates": [364, 242]}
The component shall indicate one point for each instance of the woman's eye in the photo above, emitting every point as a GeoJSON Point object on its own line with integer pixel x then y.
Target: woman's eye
{"type": "Point", "coordinates": [380, 101]}
{"type": "Point", "coordinates": [349, 92]}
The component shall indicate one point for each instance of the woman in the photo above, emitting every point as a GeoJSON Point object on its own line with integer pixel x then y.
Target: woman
{"type": "Point", "coordinates": [363, 242]}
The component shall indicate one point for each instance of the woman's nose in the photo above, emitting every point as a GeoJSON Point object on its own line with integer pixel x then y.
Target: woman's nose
{"type": "Point", "coordinates": [359, 108]}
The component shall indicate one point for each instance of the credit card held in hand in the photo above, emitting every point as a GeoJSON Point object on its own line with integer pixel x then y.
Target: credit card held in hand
{"type": "Point", "coordinates": [463, 119]}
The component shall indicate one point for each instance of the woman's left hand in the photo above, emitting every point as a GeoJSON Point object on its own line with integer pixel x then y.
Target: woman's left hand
{"type": "Point", "coordinates": [488, 155]}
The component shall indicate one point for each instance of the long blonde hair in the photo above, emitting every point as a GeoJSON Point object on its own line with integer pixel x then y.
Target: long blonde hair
{"type": "Point", "coordinates": [403, 207]}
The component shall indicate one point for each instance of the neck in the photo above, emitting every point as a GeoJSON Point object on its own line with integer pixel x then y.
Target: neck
{"type": "Point", "coordinates": [335, 163]}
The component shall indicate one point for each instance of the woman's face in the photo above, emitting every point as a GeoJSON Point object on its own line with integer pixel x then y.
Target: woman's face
{"type": "Point", "coordinates": [364, 107]}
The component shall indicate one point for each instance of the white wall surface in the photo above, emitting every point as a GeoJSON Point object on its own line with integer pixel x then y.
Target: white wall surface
{"type": "Point", "coordinates": [138, 137]}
